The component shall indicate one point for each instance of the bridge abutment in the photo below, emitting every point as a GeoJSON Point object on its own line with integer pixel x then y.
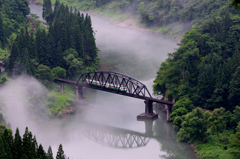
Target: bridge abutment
{"type": "Point", "coordinates": [78, 92]}
{"type": "Point", "coordinates": [149, 114]}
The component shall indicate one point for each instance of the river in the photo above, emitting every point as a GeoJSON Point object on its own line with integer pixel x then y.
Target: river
{"type": "Point", "coordinates": [108, 128]}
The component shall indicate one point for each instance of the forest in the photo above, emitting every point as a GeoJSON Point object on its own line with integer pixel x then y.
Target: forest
{"type": "Point", "coordinates": [204, 72]}
{"type": "Point", "coordinates": [26, 147]}
{"type": "Point", "coordinates": [67, 47]}
{"type": "Point", "coordinates": [171, 17]}
{"type": "Point", "coordinates": [64, 47]}
{"type": "Point", "coordinates": [13, 17]}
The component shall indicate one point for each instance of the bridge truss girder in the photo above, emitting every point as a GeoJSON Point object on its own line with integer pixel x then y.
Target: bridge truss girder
{"type": "Point", "coordinates": [118, 81]}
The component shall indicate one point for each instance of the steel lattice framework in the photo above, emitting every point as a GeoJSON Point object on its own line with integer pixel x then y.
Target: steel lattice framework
{"type": "Point", "coordinates": [117, 80]}
{"type": "Point", "coordinates": [117, 140]}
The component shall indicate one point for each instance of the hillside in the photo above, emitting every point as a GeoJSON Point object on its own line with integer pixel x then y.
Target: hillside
{"type": "Point", "coordinates": [172, 17]}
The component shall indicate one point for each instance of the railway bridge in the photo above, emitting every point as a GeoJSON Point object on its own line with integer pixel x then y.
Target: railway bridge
{"type": "Point", "coordinates": [119, 84]}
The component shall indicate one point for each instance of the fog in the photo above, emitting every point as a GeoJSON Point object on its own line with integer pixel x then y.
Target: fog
{"type": "Point", "coordinates": [109, 116]}
{"type": "Point", "coordinates": [133, 52]}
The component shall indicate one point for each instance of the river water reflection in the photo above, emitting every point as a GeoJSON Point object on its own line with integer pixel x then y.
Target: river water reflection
{"type": "Point", "coordinates": [108, 128]}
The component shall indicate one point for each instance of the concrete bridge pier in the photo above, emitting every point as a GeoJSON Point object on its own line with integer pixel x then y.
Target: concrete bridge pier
{"type": "Point", "coordinates": [149, 114]}
{"type": "Point", "coordinates": [78, 92]}
{"type": "Point", "coordinates": [62, 87]}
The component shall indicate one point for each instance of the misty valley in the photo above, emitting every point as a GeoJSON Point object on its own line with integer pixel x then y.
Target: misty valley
{"type": "Point", "coordinates": [75, 75]}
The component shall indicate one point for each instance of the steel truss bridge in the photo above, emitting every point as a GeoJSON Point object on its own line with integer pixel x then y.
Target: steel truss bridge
{"type": "Point", "coordinates": [115, 83]}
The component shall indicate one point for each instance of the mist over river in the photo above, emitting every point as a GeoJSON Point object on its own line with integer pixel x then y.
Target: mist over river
{"type": "Point", "coordinates": [108, 128]}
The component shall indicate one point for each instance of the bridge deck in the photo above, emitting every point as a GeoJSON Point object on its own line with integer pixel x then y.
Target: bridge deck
{"type": "Point", "coordinates": [114, 91]}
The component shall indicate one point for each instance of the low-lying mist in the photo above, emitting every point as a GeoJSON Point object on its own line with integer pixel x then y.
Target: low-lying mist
{"type": "Point", "coordinates": [132, 52]}
{"type": "Point", "coordinates": [24, 104]}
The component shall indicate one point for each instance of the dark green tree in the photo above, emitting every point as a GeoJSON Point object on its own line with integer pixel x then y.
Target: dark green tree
{"type": "Point", "coordinates": [194, 126]}
{"type": "Point", "coordinates": [59, 72]}
{"type": "Point", "coordinates": [234, 89]}
{"type": "Point", "coordinates": [41, 154]}
{"type": "Point", "coordinates": [60, 153]}
{"type": "Point", "coordinates": [49, 153]}
{"type": "Point", "coordinates": [17, 144]}
{"type": "Point", "coordinates": [3, 39]}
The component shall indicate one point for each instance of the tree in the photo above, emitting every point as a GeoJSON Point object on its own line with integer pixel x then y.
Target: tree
{"type": "Point", "coordinates": [17, 144]}
{"type": "Point", "coordinates": [181, 107]}
{"type": "Point", "coordinates": [3, 39]}
{"type": "Point", "coordinates": [60, 153]}
{"type": "Point", "coordinates": [234, 143]}
{"type": "Point", "coordinates": [59, 72]}
{"type": "Point", "coordinates": [41, 154]}
{"type": "Point", "coordinates": [44, 74]}
{"type": "Point", "coordinates": [74, 65]}
{"type": "Point", "coordinates": [194, 126]}
{"type": "Point", "coordinates": [47, 10]}
{"type": "Point", "coordinates": [2, 148]}
{"type": "Point", "coordinates": [23, 6]}
{"type": "Point", "coordinates": [236, 116]}
{"type": "Point", "coordinates": [234, 89]}
{"type": "Point", "coordinates": [217, 124]}
{"type": "Point", "coordinates": [49, 153]}
{"type": "Point", "coordinates": [236, 3]}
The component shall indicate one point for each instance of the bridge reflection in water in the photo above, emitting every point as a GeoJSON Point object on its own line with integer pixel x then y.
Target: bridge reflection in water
{"type": "Point", "coordinates": [158, 130]}
{"type": "Point", "coordinates": [118, 137]}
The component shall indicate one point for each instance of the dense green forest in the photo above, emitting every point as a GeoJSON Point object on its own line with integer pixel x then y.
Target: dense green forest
{"type": "Point", "coordinates": [67, 48]}
{"type": "Point", "coordinates": [26, 147]}
{"type": "Point", "coordinates": [204, 72]}
{"type": "Point", "coordinates": [64, 48]}
{"type": "Point", "coordinates": [172, 17]}
{"type": "Point", "coordinates": [13, 17]}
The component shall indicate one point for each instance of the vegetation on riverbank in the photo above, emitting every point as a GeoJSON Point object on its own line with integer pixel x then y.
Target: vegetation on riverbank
{"type": "Point", "coordinates": [13, 17]}
{"type": "Point", "coordinates": [204, 72]}
{"type": "Point", "coordinates": [44, 53]}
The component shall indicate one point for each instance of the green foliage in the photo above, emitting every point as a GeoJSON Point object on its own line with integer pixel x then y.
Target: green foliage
{"type": "Point", "coordinates": [181, 107]}
{"type": "Point", "coordinates": [69, 44]}
{"type": "Point", "coordinates": [236, 116]}
{"type": "Point", "coordinates": [13, 17]}
{"type": "Point", "coordinates": [20, 148]}
{"type": "Point", "coordinates": [236, 3]}
{"type": "Point", "coordinates": [59, 72]}
{"type": "Point", "coordinates": [60, 153]}
{"type": "Point", "coordinates": [194, 126]}
{"type": "Point", "coordinates": [57, 101]}
{"type": "Point", "coordinates": [204, 67]}
{"type": "Point", "coordinates": [44, 74]}
{"type": "Point", "coordinates": [217, 124]}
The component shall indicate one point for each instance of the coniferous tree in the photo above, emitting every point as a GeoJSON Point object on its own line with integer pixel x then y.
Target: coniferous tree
{"type": "Point", "coordinates": [47, 10]}
{"type": "Point", "coordinates": [17, 144]}
{"type": "Point", "coordinates": [60, 153]}
{"type": "Point", "coordinates": [49, 153]}
{"type": "Point", "coordinates": [8, 143]}
{"type": "Point", "coordinates": [3, 39]}
{"type": "Point", "coordinates": [3, 153]}
{"type": "Point", "coordinates": [41, 154]}
{"type": "Point", "coordinates": [234, 89]}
